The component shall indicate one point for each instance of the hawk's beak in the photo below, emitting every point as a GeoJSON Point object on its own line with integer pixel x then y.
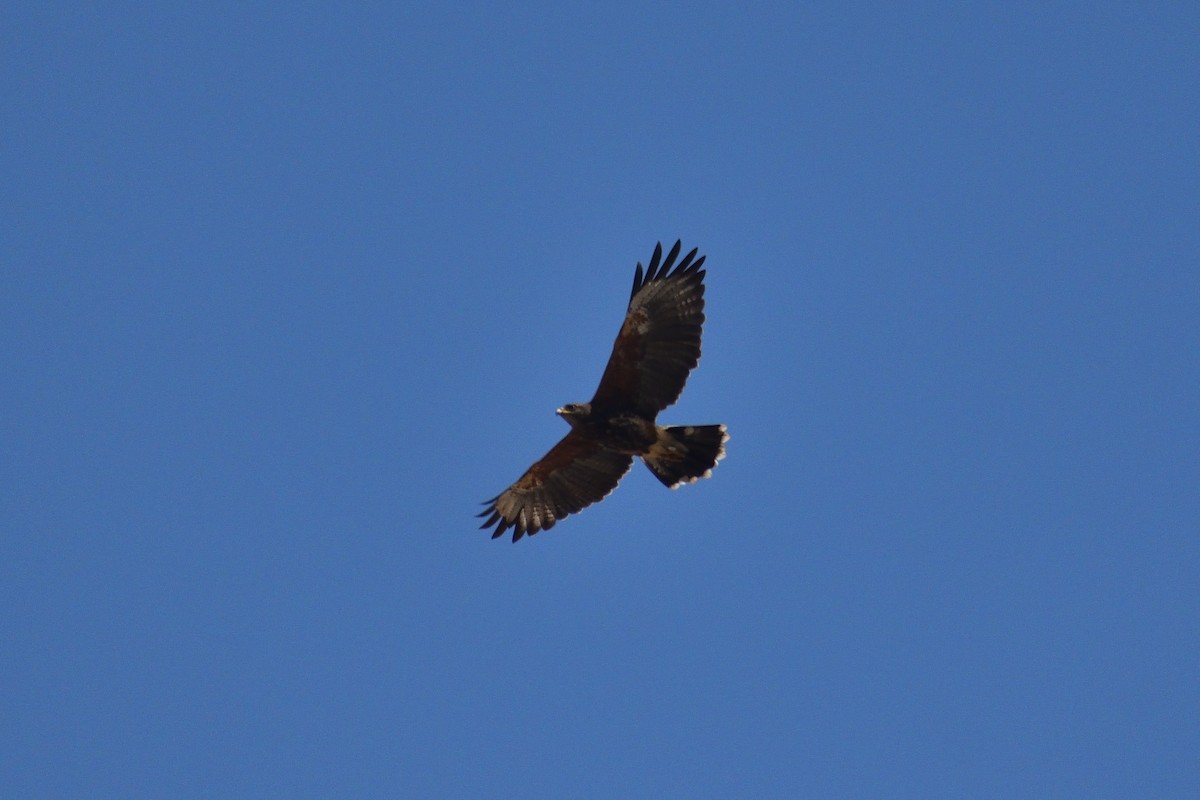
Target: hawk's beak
{"type": "Point", "coordinates": [562, 412]}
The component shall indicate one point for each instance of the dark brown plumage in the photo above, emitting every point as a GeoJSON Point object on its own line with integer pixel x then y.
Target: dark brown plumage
{"type": "Point", "coordinates": [657, 347]}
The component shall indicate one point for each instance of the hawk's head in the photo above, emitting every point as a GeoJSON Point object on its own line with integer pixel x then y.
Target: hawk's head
{"type": "Point", "coordinates": [575, 413]}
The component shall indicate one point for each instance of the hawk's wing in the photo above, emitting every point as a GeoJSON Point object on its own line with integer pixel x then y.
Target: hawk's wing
{"type": "Point", "coordinates": [659, 342]}
{"type": "Point", "coordinates": [575, 473]}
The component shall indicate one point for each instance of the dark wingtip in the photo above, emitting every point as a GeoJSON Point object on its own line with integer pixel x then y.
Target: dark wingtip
{"type": "Point", "coordinates": [666, 269]}
{"type": "Point", "coordinates": [660, 268]}
{"type": "Point", "coordinates": [687, 267]}
{"type": "Point", "coordinates": [655, 260]}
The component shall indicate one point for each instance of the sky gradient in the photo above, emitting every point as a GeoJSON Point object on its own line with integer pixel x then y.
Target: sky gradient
{"type": "Point", "coordinates": [288, 291]}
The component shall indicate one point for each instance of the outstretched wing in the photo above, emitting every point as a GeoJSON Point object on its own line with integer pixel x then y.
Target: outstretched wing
{"type": "Point", "coordinates": [574, 474]}
{"type": "Point", "coordinates": [659, 342]}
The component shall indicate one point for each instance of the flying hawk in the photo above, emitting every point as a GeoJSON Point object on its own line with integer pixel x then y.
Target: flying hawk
{"type": "Point", "coordinates": [656, 348]}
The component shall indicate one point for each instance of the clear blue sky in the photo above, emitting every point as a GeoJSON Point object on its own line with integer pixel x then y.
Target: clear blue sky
{"type": "Point", "coordinates": [287, 290]}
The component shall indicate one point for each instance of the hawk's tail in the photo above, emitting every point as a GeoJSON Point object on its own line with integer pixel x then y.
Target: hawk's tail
{"type": "Point", "coordinates": [686, 453]}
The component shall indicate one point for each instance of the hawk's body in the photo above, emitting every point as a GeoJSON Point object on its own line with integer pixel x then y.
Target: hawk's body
{"type": "Point", "coordinates": [656, 348]}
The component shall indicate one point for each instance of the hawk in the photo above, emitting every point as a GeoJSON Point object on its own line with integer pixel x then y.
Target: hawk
{"type": "Point", "coordinates": [656, 348]}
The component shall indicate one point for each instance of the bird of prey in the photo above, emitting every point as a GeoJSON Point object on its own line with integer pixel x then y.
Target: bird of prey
{"type": "Point", "coordinates": [656, 348]}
